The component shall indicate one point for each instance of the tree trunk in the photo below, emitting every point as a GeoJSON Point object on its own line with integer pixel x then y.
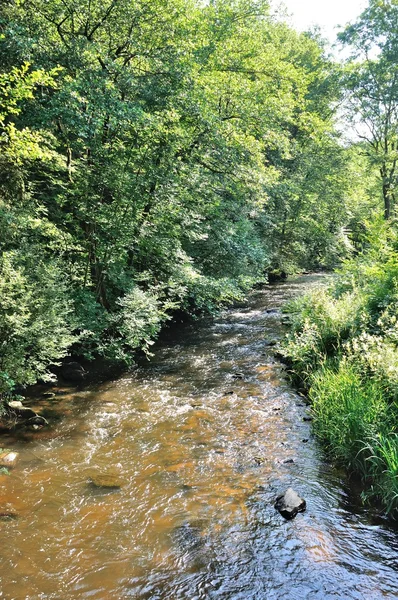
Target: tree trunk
{"type": "Point", "coordinates": [387, 201]}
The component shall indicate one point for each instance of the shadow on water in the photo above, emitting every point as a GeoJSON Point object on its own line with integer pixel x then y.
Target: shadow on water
{"type": "Point", "coordinates": [161, 483]}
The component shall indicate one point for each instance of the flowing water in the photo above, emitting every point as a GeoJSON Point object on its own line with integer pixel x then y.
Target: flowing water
{"type": "Point", "coordinates": [197, 443]}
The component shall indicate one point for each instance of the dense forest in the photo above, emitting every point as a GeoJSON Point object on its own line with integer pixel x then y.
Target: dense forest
{"type": "Point", "coordinates": [161, 157]}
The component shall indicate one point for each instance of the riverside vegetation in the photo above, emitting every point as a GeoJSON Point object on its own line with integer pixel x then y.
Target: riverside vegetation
{"type": "Point", "coordinates": [343, 346]}
{"type": "Point", "coordinates": [165, 156]}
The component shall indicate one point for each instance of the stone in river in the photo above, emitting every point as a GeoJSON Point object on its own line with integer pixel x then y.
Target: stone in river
{"type": "Point", "coordinates": [8, 515]}
{"type": "Point", "coordinates": [15, 404]}
{"type": "Point", "coordinates": [270, 343]}
{"type": "Point", "coordinates": [108, 480]}
{"type": "Point", "coordinates": [73, 371]}
{"type": "Point", "coordinates": [289, 504]}
{"type": "Point", "coordinates": [19, 414]}
{"type": "Point", "coordinates": [238, 375]}
{"type": "Point", "coordinates": [8, 460]}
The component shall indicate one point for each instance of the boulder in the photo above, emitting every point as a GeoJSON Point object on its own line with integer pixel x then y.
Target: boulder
{"type": "Point", "coordinates": [270, 343]}
{"type": "Point", "coordinates": [73, 371]}
{"type": "Point", "coordinates": [289, 504]}
{"type": "Point", "coordinates": [17, 414]}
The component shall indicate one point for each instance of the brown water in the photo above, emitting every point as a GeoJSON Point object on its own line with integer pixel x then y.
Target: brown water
{"type": "Point", "coordinates": [200, 457]}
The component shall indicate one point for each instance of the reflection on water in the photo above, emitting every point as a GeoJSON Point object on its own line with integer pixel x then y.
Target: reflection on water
{"type": "Point", "coordinates": [189, 451]}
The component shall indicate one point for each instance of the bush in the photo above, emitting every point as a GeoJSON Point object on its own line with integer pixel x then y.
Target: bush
{"type": "Point", "coordinates": [34, 321]}
{"type": "Point", "coordinates": [321, 324]}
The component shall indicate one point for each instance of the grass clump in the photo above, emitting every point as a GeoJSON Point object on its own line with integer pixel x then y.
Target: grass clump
{"type": "Point", "coordinates": [346, 411]}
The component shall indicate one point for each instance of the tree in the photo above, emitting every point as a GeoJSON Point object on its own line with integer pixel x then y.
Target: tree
{"type": "Point", "coordinates": [372, 84]}
{"type": "Point", "coordinates": [167, 147]}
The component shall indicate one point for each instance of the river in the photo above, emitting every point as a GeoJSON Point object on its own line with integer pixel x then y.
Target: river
{"type": "Point", "coordinates": [198, 442]}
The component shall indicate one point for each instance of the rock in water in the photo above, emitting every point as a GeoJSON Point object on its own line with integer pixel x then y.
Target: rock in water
{"type": "Point", "coordinates": [238, 376]}
{"type": "Point", "coordinates": [17, 414]}
{"type": "Point", "coordinates": [15, 404]}
{"type": "Point", "coordinates": [8, 460]}
{"type": "Point", "coordinates": [73, 371]}
{"type": "Point", "coordinates": [108, 480]}
{"type": "Point", "coordinates": [289, 504]}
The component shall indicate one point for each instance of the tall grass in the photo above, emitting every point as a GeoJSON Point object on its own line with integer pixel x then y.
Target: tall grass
{"type": "Point", "coordinates": [343, 346]}
{"type": "Point", "coordinates": [347, 411]}
{"type": "Point", "coordinates": [382, 462]}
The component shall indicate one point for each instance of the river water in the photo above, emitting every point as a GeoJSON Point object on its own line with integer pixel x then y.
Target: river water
{"type": "Point", "coordinates": [200, 441]}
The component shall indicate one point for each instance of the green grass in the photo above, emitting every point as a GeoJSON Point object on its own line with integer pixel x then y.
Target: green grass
{"type": "Point", "coordinates": [382, 463]}
{"type": "Point", "coordinates": [343, 349]}
{"type": "Point", "coordinates": [355, 421]}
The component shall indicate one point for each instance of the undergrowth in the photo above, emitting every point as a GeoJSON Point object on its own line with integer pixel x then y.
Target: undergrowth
{"type": "Point", "coordinates": [343, 350]}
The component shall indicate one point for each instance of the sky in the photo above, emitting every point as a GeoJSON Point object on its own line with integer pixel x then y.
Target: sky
{"type": "Point", "coordinates": [326, 13]}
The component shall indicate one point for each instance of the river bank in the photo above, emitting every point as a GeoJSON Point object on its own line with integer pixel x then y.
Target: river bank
{"type": "Point", "coordinates": [343, 351]}
{"type": "Point", "coordinates": [202, 439]}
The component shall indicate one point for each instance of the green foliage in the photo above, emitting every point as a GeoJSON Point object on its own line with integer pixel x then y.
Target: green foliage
{"type": "Point", "coordinates": [321, 324]}
{"type": "Point", "coordinates": [344, 346]}
{"type": "Point", "coordinates": [139, 320]}
{"type": "Point", "coordinates": [382, 465]}
{"type": "Point", "coordinates": [372, 86]}
{"type": "Point", "coordinates": [35, 329]}
{"type": "Point", "coordinates": [155, 157]}
{"type": "Point", "coordinates": [347, 411]}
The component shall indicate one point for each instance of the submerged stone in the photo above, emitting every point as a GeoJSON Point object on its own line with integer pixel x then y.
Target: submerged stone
{"type": "Point", "coordinates": [108, 480]}
{"type": "Point", "coordinates": [270, 343]}
{"type": "Point", "coordinates": [289, 504]}
{"type": "Point", "coordinates": [8, 515]}
{"type": "Point", "coordinates": [238, 375]}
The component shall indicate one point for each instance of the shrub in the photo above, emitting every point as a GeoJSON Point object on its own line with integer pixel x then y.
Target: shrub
{"type": "Point", "coordinates": [34, 321]}
{"type": "Point", "coordinates": [320, 326]}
